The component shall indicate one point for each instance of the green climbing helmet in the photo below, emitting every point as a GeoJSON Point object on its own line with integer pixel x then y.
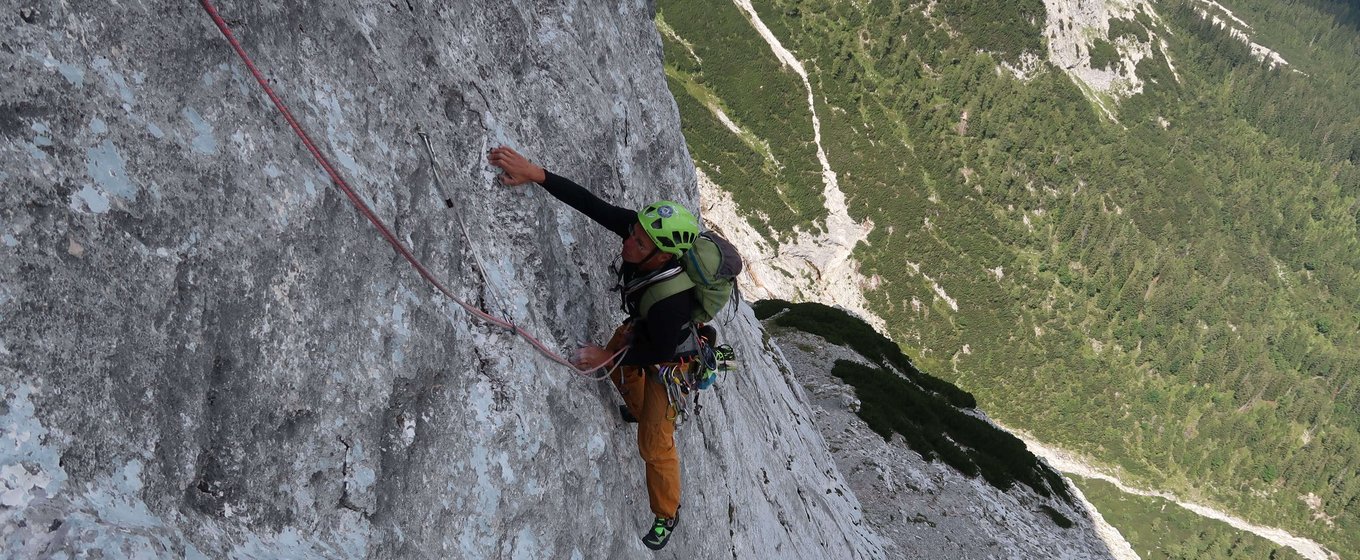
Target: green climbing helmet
{"type": "Point", "coordinates": [670, 225]}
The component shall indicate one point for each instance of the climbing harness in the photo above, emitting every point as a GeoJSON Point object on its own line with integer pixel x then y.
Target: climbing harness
{"type": "Point", "coordinates": [377, 222]}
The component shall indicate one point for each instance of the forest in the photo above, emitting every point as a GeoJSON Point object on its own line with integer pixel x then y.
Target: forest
{"type": "Point", "coordinates": [1172, 291]}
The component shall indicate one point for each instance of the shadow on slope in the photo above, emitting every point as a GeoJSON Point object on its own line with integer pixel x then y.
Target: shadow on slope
{"type": "Point", "coordinates": [928, 412]}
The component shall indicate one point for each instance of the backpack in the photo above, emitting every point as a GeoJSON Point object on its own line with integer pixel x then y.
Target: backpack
{"type": "Point", "coordinates": [711, 268]}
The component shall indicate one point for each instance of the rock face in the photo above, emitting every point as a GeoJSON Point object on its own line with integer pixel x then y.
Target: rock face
{"type": "Point", "coordinates": [206, 352]}
{"type": "Point", "coordinates": [1071, 27]}
{"type": "Point", "coordinates": [816, 267]}
{"type": "Point", "coordinates": [926, 509]}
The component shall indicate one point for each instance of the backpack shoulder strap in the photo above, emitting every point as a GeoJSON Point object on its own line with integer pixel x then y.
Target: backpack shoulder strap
{"type": "Point", "coordinates": [694, 266]}
{"type": "Point", "coordinates": [662, 290]}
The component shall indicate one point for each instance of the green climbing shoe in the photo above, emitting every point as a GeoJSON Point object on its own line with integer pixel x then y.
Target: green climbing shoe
{"type": "Point", "coordinates": [662, 528]}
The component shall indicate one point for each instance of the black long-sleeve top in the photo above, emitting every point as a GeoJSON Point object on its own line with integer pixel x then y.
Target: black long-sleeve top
{"type": "Point", "coordinates": [655, 336]}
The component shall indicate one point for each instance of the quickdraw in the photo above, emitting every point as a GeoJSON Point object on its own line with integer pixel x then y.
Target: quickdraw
{"type": "Point", "coordinates": [693, 375]}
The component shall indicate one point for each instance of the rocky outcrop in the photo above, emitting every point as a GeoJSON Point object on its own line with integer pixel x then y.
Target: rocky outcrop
{"type": "Point", "coordinates": [205, 352]}
{"type": "Point", "coordinates": [1073, 27]}
{"type": "Point", "coordinates": [815, 267]}
{"type": "Point", "coordinates": [924, 508]}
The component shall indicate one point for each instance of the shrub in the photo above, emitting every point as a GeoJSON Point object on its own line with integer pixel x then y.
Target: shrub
{"type": "Point", "coordinates": [1127, 28]}
{"type": "Point", "coordinates": [1104, 55]}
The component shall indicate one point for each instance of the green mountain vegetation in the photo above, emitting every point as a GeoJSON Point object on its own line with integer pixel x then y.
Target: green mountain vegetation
{"type": "Point", "coordinates": [1160, 530]}
{"type": "Point", "coordinates": [1173, 291]}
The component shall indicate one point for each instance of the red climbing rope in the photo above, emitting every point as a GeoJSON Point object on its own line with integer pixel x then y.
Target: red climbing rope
{"type": "Point", "coordinates": [367, 212]}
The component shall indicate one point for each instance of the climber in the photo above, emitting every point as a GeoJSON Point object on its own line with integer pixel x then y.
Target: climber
{"type": "Point", "coordinates": [653, 238]}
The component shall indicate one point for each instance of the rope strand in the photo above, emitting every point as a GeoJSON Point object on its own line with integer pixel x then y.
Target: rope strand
{"type": "Point", "coordinates": [367, 212]}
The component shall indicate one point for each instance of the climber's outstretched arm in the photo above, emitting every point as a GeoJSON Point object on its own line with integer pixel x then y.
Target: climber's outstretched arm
{"type": "Point", "coordinates": [518, 170]}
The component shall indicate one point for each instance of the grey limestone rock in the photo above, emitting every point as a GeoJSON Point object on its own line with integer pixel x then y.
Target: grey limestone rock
{"type": "Point", "coordinates": [206, 352]}
{"type": "Point", "coordinates": [925, 509]}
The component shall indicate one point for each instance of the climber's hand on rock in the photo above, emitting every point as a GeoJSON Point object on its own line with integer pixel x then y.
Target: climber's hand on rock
{"type": "Point", "coordinates": [590, 357]}
{"type": "Point", "coordinates": [515, 169]}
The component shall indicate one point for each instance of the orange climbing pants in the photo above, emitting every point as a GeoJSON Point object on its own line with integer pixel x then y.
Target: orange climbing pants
{"type": "Point", "coordinates": [646, 399]}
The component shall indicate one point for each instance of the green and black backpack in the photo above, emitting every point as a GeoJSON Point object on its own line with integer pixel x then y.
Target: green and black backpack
{"type": "Point", "coordinates": [711, 268]}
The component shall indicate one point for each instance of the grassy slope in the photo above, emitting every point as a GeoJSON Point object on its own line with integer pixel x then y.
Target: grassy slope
{"type": "Point", "coordinates": [734, 69]}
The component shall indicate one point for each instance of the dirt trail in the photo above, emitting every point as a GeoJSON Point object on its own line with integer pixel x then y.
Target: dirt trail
{"type": "Point", "coordinates": [1071, 463]}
